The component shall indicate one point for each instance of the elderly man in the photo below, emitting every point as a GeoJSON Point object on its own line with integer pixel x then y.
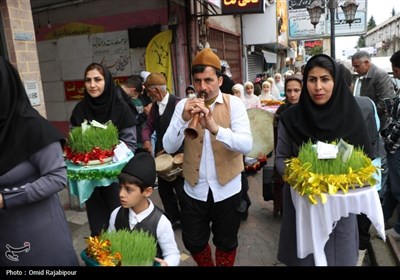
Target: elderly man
{"type": "Point", "coordinates": [376, 83]}
{"type": "Point", "coordinates": [158, 120]}
{"type": "Point", "coordinates": [213, 163]}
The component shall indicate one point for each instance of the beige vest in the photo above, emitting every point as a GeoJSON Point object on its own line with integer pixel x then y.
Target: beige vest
{"type": "Point", "coordinates": [228, 164]}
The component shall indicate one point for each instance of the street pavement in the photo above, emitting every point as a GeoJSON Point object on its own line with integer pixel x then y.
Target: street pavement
{"type": "Point", "coordinates": [258, 235]}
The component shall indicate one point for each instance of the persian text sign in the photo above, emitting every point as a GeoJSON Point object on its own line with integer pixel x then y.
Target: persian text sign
{"type": "Point", "coordinates": [300, 26]}
{"type": "Point", "coordinates": [242, 6]}
{"type": "Point", "coordinates": [74, 89]}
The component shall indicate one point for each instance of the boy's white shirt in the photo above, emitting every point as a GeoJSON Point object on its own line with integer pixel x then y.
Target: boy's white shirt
{"type": "Point", "coordinates": [165, 233]}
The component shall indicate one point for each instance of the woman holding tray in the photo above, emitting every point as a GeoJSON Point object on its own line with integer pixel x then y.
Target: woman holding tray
{"type": "Point", "coordinates": [102, 104]}
{"type": "Point", "coordinates": [326, 112]}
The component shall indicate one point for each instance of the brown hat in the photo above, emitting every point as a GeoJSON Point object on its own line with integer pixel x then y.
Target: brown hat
{"type": "Point", "coordinates": [207, 58]}
{"type": "Point", "coordinates": [155, 79]}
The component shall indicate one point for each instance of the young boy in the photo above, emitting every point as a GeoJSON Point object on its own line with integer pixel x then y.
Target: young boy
{"type": "Point", "coordinates": [137, 211]}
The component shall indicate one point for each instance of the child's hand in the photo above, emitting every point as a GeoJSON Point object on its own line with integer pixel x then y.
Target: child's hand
{"type": "Point", "coordinates": [161, 262]}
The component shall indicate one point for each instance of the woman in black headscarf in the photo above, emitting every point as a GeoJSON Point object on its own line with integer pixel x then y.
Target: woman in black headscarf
{"type": "Point", "coordinates": [34, 230]}
{"type": "Point", "coordinates": [102, 103]}
{"type": "Point", "coordinates": [327, 111]}
{"type": "Point", "coordinates": [292, 89]}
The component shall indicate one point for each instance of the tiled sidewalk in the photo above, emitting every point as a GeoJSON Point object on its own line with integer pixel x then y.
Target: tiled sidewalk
{"type": "Point", "coordinates": [258, 235]}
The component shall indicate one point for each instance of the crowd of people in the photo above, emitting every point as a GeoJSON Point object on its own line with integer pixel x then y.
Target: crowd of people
{"type": "Point", "coordinates": [210, 197]}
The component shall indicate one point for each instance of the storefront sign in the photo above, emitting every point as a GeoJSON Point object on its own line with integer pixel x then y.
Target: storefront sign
{"type": "Point", "coordinates": [300, 26]}
{"type": "Point", "coordinates": [242, 6]}
{"type": "Point", "coordinates": [74, 89]}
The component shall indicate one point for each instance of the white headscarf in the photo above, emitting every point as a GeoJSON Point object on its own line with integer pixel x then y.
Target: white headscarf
{"type": "Point", "coordinates": [266, 95]}
{"type": "Point", "coordinates": [240, 88]}
{"type": "Point", "coordinates": [251, 100]}
{"type": "Point", "coordinates": [274, 90]}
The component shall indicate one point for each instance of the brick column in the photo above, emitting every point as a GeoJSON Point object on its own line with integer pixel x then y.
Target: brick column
{"type": "Point", "coordinates": [21, 43]}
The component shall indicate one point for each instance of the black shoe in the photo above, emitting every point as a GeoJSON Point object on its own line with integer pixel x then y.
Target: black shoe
{"type": "Point", "coordinates": [277, 213]}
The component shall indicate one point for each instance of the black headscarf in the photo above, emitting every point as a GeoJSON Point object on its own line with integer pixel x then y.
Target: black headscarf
{"type": "Point", "coordinates": [339, 118]}
{"type": "Point", "coordinates": [23, 131]}
{"type": "Point", "coordinates": [107, 106]}
{"type": "Point", "coordinates": [287, 104]}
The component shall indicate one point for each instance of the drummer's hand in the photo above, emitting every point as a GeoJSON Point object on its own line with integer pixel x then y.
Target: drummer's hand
{"type": "Point", "coordinates": [207, 120]}
{"type": "Point", "coordinates": [191, 107]}
{"type": "Point", "coordinates": [148, 147]}
{"type": "Point", "coordinates": [1, 201]}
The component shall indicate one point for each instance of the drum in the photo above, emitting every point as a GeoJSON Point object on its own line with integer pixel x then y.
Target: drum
{"type": "Point", "coordinates": [262, 129]}
{"type": "Point", "coordinates": [164, 164]}
{"type": "Point", "coordinates": [178, 160]}
{"type": "Point", "coordinates": [168, 167]}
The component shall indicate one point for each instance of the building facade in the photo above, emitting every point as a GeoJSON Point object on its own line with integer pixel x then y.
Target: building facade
{"type": "Point", "coordinates": [52, 41]}
{"type": "Point", "coordinates": [385, 37]}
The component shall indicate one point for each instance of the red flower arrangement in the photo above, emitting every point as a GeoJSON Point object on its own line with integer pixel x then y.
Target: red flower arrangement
{"type": "Point", "coordinates": [84, 157]}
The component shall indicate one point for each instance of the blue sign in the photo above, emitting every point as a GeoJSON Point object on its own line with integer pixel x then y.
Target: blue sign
{"type": "Point", "coordinates": [23, 36]}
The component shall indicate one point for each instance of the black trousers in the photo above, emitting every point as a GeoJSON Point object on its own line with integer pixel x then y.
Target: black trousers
{"type": "Point", "coordinates": [245, 191]}
{"type": "Point", "coordinates": [363, 231]}
{"type": "Point", "coordinates": [169, 193]}
{"type": "Point", "coordinates": [200, 218]}
{"type": "Point", "coordinates": [99, 207]}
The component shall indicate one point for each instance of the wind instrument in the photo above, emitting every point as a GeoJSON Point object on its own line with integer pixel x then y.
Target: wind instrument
{"type": "Point", "coordinates": [191, 130]}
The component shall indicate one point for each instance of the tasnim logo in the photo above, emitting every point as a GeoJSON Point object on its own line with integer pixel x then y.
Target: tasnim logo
{"type": "Point", "coordinates": [12, 252]}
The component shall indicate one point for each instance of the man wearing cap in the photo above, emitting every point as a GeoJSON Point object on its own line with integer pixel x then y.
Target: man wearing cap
{"type": "Point", "coordinates": [158, 121]}
{"type": "Point", "coordinates": [213, 163]}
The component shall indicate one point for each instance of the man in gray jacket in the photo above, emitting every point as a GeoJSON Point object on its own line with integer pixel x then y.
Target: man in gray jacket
{"type": "Point", "coordinates": [376, 83]}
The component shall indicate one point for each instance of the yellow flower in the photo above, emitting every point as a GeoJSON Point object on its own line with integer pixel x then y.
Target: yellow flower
{"type": "Point", "coordinates": [317, 185]}
{"type": "Point", "coordinates": [100, 250]}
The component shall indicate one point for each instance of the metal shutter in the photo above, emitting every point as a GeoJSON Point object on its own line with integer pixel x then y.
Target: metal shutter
{"type": "Point", "coordinates": [255, 64]}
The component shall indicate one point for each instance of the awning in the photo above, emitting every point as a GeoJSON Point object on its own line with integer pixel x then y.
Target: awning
{"type": "Point", "coordinates": [270, 57]}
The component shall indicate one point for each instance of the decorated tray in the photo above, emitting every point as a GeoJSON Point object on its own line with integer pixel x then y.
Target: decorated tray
{"type": "Point", "coordinates": [91, 143]}
{"type": "Point", "coordinates": [93, 162]}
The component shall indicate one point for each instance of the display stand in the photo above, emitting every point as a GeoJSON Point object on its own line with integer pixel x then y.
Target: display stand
{"type": "Point", "coordinates": [83, 179]}
{"type": "Point", "coordinates": [314, 223]}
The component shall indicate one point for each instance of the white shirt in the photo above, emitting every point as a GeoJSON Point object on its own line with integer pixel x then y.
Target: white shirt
{"type": "Point", "coordinates": [165, 233]}
{"type": "Point", "coordinates": [237, 138]}
{"type": "Point", "coordinates": [163, 104]}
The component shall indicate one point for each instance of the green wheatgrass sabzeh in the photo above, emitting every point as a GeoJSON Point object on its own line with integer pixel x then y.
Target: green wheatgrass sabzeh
{"type": "Point", "coordinates": [84, 141]}
{"type": "Point", "coordinates": [313, 177]}
{"type": "Point", "coordinates": [137, 247]}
